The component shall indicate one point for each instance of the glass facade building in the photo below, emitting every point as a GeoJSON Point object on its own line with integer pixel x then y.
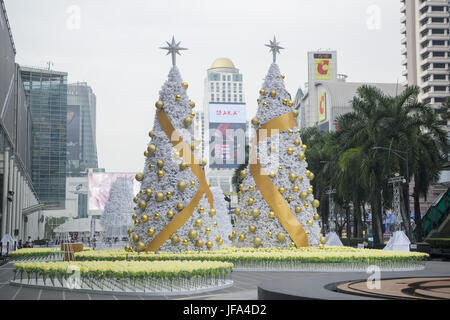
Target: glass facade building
{"type": "Point", "coordinates": [81, 137]}
{"type": "Point", "coordinates": [46, 95]}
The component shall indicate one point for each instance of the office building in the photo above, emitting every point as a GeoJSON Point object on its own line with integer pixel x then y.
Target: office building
{"type": "Point", "coordinates": [46, 95]}
{"type": "Point", "coordinates": [221, 124]}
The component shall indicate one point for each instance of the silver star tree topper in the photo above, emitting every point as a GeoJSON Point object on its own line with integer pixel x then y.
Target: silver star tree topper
{"type": "Point", "coordinates": [274, 47]}
{"type": "Point", "coordinates": [173, 48]}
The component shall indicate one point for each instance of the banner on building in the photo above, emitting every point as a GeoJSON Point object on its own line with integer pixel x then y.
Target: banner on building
{"type": "Point", "coordinates": [322, 107]}
{"type": "Point", "coordinates": [323, 66]}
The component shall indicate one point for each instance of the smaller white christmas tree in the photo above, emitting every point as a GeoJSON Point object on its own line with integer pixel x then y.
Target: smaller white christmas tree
{"type": "Point", "coordinates": [116, 217]}
{"type": "Point", "coordinates": [223, 217]}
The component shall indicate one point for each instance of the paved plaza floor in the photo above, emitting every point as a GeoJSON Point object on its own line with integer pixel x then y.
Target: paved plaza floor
{"type": "Point", "coordinates": [247, 286]}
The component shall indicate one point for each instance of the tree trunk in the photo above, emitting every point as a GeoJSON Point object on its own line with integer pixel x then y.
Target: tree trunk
{"type": "Point", "coordinates": [417, 216]}
{"type": "Point", "coordinates": [357, 220]}
{"type": "Point", "coordinates": [376, 220]}
{"type": "Point", "coordinates": [406, 215]}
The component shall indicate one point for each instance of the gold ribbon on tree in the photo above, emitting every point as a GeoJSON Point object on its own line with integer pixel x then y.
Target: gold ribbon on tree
{"type": "Point", "coordinates": [265, 186]}
{"type": "Point", "coordinates": [203, 187]}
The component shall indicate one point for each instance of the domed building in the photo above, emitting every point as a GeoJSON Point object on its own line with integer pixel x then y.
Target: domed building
{"type": "Point", "coordinates": [223, 109]}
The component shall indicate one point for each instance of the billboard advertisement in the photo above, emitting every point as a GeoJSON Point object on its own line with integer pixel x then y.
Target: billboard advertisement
{"type": "Point", "coordinates": [323, 66]}
{"type": "Point", "coordinates": [227, 131]}
{"type": "Point", "coordinates": [99, 184]}
{"type": "Point", "coordinates": [322, 106]}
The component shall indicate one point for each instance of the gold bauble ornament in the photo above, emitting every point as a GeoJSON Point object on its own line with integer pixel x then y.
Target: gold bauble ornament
{"type": "Point", "coordinates": [265, 104]}
{"type": "Point", "coordinates": [246, 214]}
{"type": "Point", "coordinates": [203, 162]}
{"type": "Point", "coordinates": [218, 238]}
{"type": "Point", "coordinates": [292, 177]}
{"type": "Point", "coordinates": [160, 173]}
{"type": "Point", "coordinates": [143, 204]}
{"type": "Point", "coordinates": [180, 206]}
{"type": "Point", "coordinates": [272, 174]}
{"type": "Point", "coordinates": [178, 97]}
{"type": "Point", "coordinates": [148, 192]}
{"type": "Point", "coordinates": [139, 176]}
{"type": "Point", "coordinates": [304, 147]}
{"type": "Point", "coordinates": [281, 190]}
{"type": "Point", "coordinates": [201, 209]}
{"type": "Point", "coordinates": [250, 201]}
{"type": "Point", "coordinates": [237, 211]}
{"type": "Point", "coordinates": [150, 166]}
{"type": "Point", "coordinates": [262, 92]}
{"type": "Point", "coordinates": [192, 183]}
{"type": "Point", "coordinates": [215, 224]}
{"type": "Point", "coordinates": [292, 245]}
{"type": "Point", "coordinates": [181, 185]}
{"type": "Point", "coordinates": [296, 142]}
{"type": "Point", "coordinates": [271, 215]}
{"type": "Point", "coordinates": [290, 103]}
{"type": "Point", "coordinates": [191, 104]}
{"type": "Point", "coordinates": [285, 101]}
{"type": "Point", "coordinates": [303, 195]}
{"type": "Point", "coordinates": [242, 237]}
{"type": "Point", "coordinates": [251, 188]}
{"type": "Point", "coordinates": [212, 212]}
{"type": "Point", "coordinates": [269, 234]}
{"type": "Point", "coordinates": [298, 209]}
{"type": "Point", "coordinates": [185, 85]}
{"type": "Point", "coordinates": [256, 212]}
{"type": "Point", "coordinates": [315, 203]}
{"type": "Point", "coordinates": [258, 101]}
{"type": "Point", "coordinates": [187, 121]}
{"type": "Point", "coordinates": [290, 132]}
{"type": "Point", "coordinates": [198, 222]}
{"type": "Point", "coordinates": [289, 151]}
{"type": "Point", "coordinates": [192, 234]}
{"type": "Point", "coordinates": [280, 168]}
{"type": "Point", "coordinates": [316, 216]}
{"type": "Point", "coordinates": [323, 240]}
{"type": "Point", "coordinates": [257, 241]}
{"type": "Point", "coordinates": [159, 104]}
{"type": "Point", "coordinates": [150, 231]}
{"type": "Point", "coordinates": [243, 174]}
{"type": "Point", "coordinates": [209, 244]}
{"type": "Point", "coordinates": [295, 112]}
{"type": "Point", "coordinates": [135, 237]}
{"type": "Point", "coordinates": [300, 178]}
{"type": "Point", "coordinates": [230, 237]}
{"type": "Point", "coordinates": [220, 242]}
{"type": "Point", "coordinates": [185, 242]}
{"type": "Point", "coordinates": [151, 148]}
{"type": "Point", "coordinates": [295, 188]}
{"type": "Point", "coordinates": [310, 190]}
{"type": "Point", "coordinates": [282, 76]}
{"type": "Point", "coordinates": [160, 163]}
{"type": "Point", "coordinates": [127, 248]}
{"type": "Point", "coordinates": [159, 196]}
{"type": "Point", "coordinates": [255, 121]}
{"type": "Point", "coordinates": [175, 239]}
{"type": "Point", "coordinates": [289, 199]}
{"type": "Point", "coordinates": [273, 93]}
{"type": "Point", "coordinates": [144, 218]}
{"type": "Point", "coordinates": [168, 194]}
{"type": "Point", "coordinates": [233, 233]}
{"type": "Point", "coordinates": [301, 156]}
{"type": "Point", "coordinates": [309, 223]}
{"type": "Point", "coordinates": [151, 133]}
{"type": "Point", "coordinates": [135, 199]}
{"type": "Point", "coordinates": [130, 231]}
{"type": "Point", "coordinates": [252, 228]}
{"type": "Point", "coordinates": [199, 243]}
{"type": "Point", "coordinates": [207, 230]}
{"type": "Point", "coordinates": [134, 216]}
{"type": "Point", "coordinates": [140, 246]}
{"type": "Point", "coordinates": [157, 216]}
{"type": "Point", "coordinates": [137, 222]}
{"type": "Point", "coordinates": [311, 176]}
{"type": "Point", "coordinates": [320, 246]}
{"type": "Point", "coordinates": [146, 153]}
{"type": "Point", "coordinates": [183, 165]}
{"type": "Point", "coordinates": [281, 236]}
{"type": "Point", "coordinates": [306, 205]}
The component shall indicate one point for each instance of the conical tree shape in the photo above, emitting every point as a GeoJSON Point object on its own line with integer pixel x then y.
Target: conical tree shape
{"type": "Point", "coordinates": [170, 183]}
{"type": "Point", "coordinates": [116, 216]}
{"type": "Point", "coordinates": [280, 211]}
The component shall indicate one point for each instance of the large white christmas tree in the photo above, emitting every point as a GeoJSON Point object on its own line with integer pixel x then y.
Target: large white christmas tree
{"type": "Point", "coordinates": [174, 209]}
{"type": "Point", "coordinates": [277, 208]}
{"type": "Point", "coordinates": [116, 217]}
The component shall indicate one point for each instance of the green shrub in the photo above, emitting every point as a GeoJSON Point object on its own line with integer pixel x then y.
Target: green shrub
{"type": "Point", "coordinates": [439, 243]}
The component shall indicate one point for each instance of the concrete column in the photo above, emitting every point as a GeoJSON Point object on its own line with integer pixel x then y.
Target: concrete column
{"type": "Point", "coordinates": [16, 189]}
{"type": "Point", "coordinates": [10, 188]}
{"type": "Point", "coordinates": [5, 191]}
{"type": "Point", "coordinates": [19, 203]}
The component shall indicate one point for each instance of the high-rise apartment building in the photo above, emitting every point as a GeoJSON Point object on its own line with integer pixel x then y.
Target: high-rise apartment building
{"type": "Point", "coordinates": [426, 51]}
{"type": "Point", "coordinates": [46, 95]}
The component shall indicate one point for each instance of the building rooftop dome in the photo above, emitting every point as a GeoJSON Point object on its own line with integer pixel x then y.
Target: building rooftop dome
{"type": "Point", "coordinates": [222, 63]}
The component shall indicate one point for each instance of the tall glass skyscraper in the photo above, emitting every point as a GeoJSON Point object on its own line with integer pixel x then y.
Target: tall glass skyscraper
{"type": "Point", "coordinates": [46, 95]}
{"type": "Point", "coordinates": [81, 129]}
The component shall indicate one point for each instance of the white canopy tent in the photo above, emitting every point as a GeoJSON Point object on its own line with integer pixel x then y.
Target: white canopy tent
{"type": "Point", "coordinates": [79, 225]}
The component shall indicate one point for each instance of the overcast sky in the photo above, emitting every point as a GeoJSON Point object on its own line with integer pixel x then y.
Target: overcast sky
{"type": "Point", "coordinates": [113, 46]}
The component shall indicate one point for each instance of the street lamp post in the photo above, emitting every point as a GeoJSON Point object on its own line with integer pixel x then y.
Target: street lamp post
{"type": "Point", "coordinates": [397, 153]}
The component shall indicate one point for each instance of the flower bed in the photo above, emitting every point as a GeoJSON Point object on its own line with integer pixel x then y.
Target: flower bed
{"type": "Point", "coordinates": [126, 276]}
{"type": "Point", "coordinates": [304, 259]}
{"type": "Point", "coordinates": [34, 254]}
